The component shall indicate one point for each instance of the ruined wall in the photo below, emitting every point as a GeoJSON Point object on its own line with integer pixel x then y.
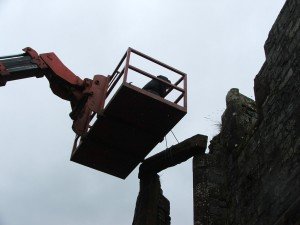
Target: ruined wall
{"type": "Point", "coordinates": [252, 173]}
{"type": "Point", "coordinates": [151, 206]}
{"type": "Point", "coordinates": [216, 172]}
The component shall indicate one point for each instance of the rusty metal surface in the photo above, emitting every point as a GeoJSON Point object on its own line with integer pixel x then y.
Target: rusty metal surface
{"type": "Point", "coordinates": [90, 102]}
{"type": "Point", "coordinates": [59, 69]}
{"type": "Point", "coordinates": [98, 93]}
{"type": "Point", "coordinates": [157, 62]}
{"type": "Point", "coordinates": [133, 122]}
{"type": "Point", "coordinates": [35, 58]}
{"type": "Point", "coordinates": [145, 110]}
{"type": "Point", "coordinates": [116, 75]}
{"type": "Point", "coordinates": [86, 96]}
{"type": "Point", "coordinates": [155, 78]}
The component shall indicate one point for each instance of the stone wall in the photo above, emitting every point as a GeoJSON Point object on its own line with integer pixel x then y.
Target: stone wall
{"type": "Point", "coordinates": [151, 206]}
{"type": "Point", "coordinates": [215, 172]}
{"type": "Point", "coordinates": [252, 173]}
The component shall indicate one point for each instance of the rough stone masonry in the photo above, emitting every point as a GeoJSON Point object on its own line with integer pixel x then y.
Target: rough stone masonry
{"type": "Point", "coordinates": [252, 172]}
{"type": "Point", "coordinates": [152, 207]}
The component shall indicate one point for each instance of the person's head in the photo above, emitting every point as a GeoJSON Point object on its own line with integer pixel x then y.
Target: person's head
{"type": "Point", "coordinates": [164, 78]}
{"type": "Point", "coordinates": [157, 87]}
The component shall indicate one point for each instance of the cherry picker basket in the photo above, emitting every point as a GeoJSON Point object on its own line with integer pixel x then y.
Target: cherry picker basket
{"type": "Point", "coordinates": [133, 121]}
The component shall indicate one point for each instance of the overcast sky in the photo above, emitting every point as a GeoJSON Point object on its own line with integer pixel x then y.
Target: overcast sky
{"type": "Point", "coordinates": [219, 44]}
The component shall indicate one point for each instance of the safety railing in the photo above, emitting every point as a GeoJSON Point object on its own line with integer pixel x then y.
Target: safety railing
{"type": "Point", "coordinates": [122, 71]}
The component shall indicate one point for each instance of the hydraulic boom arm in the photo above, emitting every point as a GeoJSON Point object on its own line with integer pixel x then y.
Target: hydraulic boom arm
{"type": "Point", "coordinates": [131, 124]}
{"type": "Point", "coordinates": [86, 96]}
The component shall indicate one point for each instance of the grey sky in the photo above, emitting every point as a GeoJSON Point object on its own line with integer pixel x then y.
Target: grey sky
{"type": "Point", "coordinates": [219, 44]}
